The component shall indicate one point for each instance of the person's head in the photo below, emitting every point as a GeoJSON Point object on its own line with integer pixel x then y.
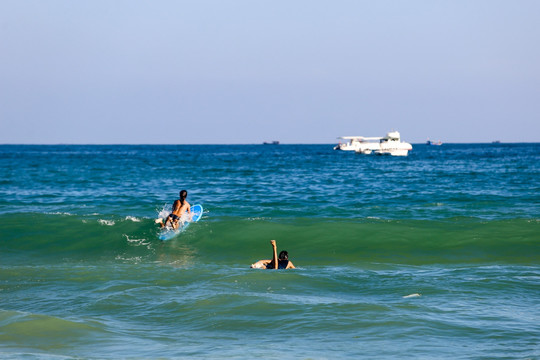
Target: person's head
{"type": "Point", "coordinates": [183, 195]}
{"type": "Point", "coordinates": [283, 255]}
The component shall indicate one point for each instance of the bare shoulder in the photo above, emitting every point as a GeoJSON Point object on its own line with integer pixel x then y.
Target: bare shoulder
{"type": "Point", "coordinates": [261, 264]}
{"type": "Point", "coordinates": [290, 265]}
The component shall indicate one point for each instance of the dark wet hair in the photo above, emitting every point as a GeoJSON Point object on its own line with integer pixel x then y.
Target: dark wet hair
{"type": "Point", "coordinates": [183, 195]}
{"type": "Point", "coordinates": [283, 255]}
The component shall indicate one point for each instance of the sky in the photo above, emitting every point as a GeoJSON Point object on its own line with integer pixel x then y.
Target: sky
{"type": "Point", "coordinates": [248, 71]}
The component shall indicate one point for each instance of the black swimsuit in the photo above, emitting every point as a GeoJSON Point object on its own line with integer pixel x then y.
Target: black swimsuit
{"type": "Point", "coordinates": [174, 217]}
{"type": "Point", "coordinates": [282, 264]}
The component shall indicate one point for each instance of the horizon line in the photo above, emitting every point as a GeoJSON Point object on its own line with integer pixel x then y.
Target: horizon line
{"type": "Point", "coordinates": [240, 144]}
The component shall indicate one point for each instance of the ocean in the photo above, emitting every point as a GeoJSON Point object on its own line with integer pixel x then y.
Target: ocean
{"type": "Point", "coordinates": [431, 256]}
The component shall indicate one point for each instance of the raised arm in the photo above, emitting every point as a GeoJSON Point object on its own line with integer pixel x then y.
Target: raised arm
{"type": "Point", "coordinates": [274, 256]}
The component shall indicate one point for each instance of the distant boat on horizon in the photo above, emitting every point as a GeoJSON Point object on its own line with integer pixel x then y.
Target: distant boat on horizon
{"type": "Point", "coordinates": [390, 144]}
{"type": "Point", "coordinates": [275, 142]}
{"type": "Point", "coordinates": [430, 142]}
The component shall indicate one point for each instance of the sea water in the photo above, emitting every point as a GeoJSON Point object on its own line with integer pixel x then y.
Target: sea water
{"type": "Point", "coordinates": [431, 256]}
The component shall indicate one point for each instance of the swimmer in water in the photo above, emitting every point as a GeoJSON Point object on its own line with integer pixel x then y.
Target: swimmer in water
{"type": "Point", "coordinates": [281, 262]}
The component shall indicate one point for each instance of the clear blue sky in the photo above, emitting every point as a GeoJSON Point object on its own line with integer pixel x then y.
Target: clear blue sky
{"type": "Point", "coordinates": [298, 71]}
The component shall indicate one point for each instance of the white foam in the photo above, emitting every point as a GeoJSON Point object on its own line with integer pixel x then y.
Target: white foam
{"type": "Point", "coordinates": [164, 212]}
{"type": "Point", "coordinates": [136, 259]}
{"type": "Point", "coordinates": [412, 296]}
{"type": "Point", "coordinates": [133, 218]}
{"type": "Point", "coordinates": [138, 242]}
{"type": "Point", "coordinates": [59, 213]}
{"type": "Point", "coordinates": [106, 222]}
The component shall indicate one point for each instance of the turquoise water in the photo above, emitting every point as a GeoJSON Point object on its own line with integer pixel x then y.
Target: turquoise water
{"type": "Point", "coordinates": [432, 256]}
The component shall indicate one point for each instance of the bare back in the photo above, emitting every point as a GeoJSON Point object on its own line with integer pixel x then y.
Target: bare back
{"type": "Point", "coordinates": [179, 209]}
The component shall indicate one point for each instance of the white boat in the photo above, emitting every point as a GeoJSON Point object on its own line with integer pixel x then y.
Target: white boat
{"type": "Point", "coordinates": [360, 144]}
{"type": "Point", "coordinates": [391, 144]}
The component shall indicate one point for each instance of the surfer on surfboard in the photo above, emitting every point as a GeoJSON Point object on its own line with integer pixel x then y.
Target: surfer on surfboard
{"type": "Point", "coordinates": [180, 207]}
{"type": "Point", "coordinates": [281, 262]}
